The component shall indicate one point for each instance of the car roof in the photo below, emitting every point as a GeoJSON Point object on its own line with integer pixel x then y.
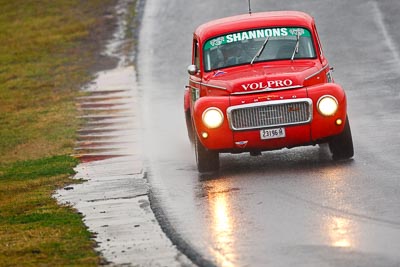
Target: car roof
{"type": "Point", "coordinates": [255, 20]}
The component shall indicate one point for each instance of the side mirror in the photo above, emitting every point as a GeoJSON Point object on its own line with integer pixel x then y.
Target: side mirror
{"type": "Point", "coordinates": [192, 69]}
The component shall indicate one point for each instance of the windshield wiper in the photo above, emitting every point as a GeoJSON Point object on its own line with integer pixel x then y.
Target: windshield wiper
{"type": "Point", "coordinates": [296, 48]}
{"type": "Point", "coordinates": [260, 51]}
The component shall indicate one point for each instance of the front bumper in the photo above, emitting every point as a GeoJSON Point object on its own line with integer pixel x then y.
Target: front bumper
{"type": "Point", "coordinates": [293, 110]}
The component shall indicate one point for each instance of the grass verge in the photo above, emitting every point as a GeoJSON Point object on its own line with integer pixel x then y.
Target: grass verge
{"type": "Point", "coordinates": [48, 50]}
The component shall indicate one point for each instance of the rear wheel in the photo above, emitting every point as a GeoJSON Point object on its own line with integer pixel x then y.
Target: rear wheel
{"type": "Point", "coordinates": [207, 160]}
{"type": "Point", "coordinates": [341, 145]}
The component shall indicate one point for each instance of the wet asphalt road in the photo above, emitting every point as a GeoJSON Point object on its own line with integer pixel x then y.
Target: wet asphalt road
{"type": "Point", "coordinates": [290, 207]}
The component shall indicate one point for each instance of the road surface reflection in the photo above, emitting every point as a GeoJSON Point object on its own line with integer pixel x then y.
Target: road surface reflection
{"type": "Point", "coordinates": [340, 229]}
{"type": "Point", "coordinates": [219, 193]}
{"type": "Point", "coordinates": [340, 232]}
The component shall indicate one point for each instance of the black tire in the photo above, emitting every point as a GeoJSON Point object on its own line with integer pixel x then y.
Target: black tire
{"type": "Point", "coordinates": [341, 146]}
{"type": "Point", "coordinates": [207, 160]}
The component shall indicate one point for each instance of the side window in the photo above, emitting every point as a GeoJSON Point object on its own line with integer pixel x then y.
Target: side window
{"type": "Point", "coordinates": [196, 51]}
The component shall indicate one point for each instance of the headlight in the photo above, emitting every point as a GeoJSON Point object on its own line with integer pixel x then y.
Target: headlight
{"type": "Point", "coordinates": [213, 118]}
{"type": "Point", "coordinates": [327, 105]}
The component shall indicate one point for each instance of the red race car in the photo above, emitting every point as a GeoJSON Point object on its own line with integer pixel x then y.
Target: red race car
{"type": "Point", "coordinates": [261, 82]}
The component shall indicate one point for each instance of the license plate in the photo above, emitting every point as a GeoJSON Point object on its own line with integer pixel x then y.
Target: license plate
{"type": "Point", "coordinates": [272, 133]}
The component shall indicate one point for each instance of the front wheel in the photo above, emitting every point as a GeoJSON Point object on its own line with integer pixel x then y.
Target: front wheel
{"type": "Point", "coordinates": [207, 160]}
{"type": "Point", "coordinates": [341, 145]}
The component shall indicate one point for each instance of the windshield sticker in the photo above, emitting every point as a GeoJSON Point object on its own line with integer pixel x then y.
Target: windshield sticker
{"type": "Point", "coordinates": [255, 34]}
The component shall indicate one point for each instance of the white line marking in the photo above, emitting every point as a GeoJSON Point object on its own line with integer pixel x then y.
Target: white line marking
{"type": "Point", "coordinates": [389, 41]}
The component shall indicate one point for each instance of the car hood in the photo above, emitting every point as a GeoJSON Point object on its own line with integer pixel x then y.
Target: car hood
{"type": "Point", "coordinates": [248, 79]}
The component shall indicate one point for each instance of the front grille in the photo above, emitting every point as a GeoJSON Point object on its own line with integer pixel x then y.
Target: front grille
{"type": "Point", "coordinates": [270, 114]}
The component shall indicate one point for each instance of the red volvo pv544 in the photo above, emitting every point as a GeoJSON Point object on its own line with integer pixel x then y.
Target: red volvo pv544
{"type": "Point", "coordinates": [261, 82]}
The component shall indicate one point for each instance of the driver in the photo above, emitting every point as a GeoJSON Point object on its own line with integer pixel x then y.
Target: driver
{"type": "Point", "coordinates": [233, 54]}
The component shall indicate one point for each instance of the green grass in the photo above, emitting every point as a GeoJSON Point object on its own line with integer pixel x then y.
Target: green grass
{"type": "Point", "coordinates": [44, 167]}
{"type": "Point", "coordinates": [47, 51]}
{"type": "Point", "coordinates": [42, 64]}
{"type": "Point", "coordinates": [34, 230]}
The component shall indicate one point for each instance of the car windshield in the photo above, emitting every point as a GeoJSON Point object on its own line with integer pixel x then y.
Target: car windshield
{"type": "Point", "coordinates": [242, 47]}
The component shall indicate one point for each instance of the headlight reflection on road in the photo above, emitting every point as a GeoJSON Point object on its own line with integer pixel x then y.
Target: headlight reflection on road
{"type": "Point", "coordinates": [221, 223]}
{"type": "Point", "coordinates": [341, 231]}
